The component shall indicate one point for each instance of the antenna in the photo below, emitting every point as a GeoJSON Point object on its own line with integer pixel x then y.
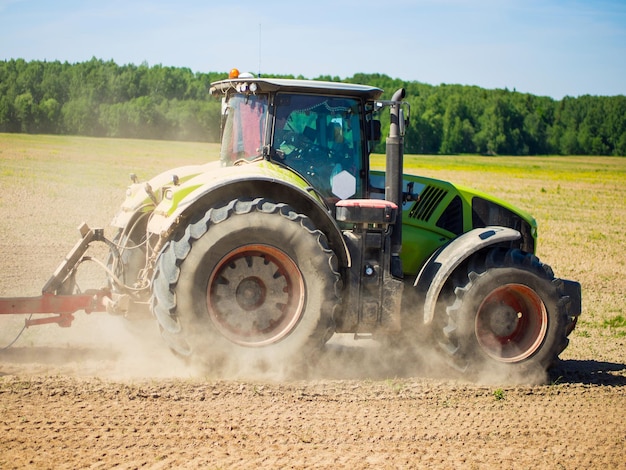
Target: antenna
{"type": "Point", "coordinates": [259, 75]}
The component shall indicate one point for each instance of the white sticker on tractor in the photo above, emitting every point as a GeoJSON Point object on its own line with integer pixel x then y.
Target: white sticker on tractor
{"type": "Point", "coordinates": [344, 185]}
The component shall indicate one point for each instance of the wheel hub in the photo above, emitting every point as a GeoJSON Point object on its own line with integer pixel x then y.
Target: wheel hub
{"type": "Point", "coordinates": [255, 295]}
{"type": "Point", "coordinates": [250, 293]}
{"type": "Point", "coordinates": [511, 323]}
{"type": "Point", "coordinates": [504, 320]}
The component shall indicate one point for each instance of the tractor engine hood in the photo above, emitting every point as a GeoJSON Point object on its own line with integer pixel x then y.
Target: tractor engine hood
{"type": "Point", "coordinates": [145, 195]}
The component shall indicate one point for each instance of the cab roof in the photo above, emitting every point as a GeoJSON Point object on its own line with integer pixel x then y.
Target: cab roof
{"type": "Point", "coordinates": [265, 85]}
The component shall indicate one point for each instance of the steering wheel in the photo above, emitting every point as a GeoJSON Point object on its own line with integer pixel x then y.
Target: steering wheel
{"type": "Point", "coordinates": [314, 162]}
{"type": "Point", "coordinates": [300, 145]}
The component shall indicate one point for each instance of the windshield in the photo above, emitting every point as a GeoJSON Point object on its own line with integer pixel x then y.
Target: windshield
{"type": "Point", "coordinates": [320, 138]}
{"type": "Point", "coordinates": [244, 128]}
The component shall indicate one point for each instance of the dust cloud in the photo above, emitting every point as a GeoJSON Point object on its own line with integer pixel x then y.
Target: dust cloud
{"type": "Point", "coordinates": [109, 347]}
{"type": "Point", "coordinates": [97, 345]}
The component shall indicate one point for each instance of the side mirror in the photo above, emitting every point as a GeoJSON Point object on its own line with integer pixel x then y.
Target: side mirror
{"type": "Point", "coordinates": [374, 130]}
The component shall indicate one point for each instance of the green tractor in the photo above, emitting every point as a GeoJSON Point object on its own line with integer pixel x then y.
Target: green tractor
{"type": "Point", "coordinates": [291, 237]}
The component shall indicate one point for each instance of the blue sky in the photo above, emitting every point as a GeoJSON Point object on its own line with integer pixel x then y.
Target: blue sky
{"type": "Point", "coordinates": [545, 47]}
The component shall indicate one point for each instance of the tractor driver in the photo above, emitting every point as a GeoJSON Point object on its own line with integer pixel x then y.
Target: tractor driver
{"type": "Point", "coordinates": [340, 145]}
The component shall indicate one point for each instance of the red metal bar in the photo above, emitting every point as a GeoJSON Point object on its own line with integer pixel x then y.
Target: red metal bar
{"type": "Point", "coordinates": [61, 305]}
{"type": "Point", "coordinates": [64, 320]}
{"type": "Point", "coordinates": [51, 303]}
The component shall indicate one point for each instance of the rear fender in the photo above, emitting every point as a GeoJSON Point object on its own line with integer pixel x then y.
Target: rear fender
{"type": "Point", "coordinates": [303, 202]}
{"type": "Point", "coordinates": [444, 261]}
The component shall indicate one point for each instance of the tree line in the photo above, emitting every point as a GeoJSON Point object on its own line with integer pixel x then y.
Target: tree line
{"type": "Point", "coordinates": [102, 98]}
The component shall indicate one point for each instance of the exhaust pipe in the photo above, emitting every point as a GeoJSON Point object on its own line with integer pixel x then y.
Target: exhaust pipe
{"type": "Point", "coordinates": [393, 178]}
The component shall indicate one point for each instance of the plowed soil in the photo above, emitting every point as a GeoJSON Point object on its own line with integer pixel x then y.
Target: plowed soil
{"type": "Point", "coordinates": [70, 407]}
{"type": "Point", "coordinates": [98, 395]}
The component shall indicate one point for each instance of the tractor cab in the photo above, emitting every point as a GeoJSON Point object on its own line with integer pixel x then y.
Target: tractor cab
{"type": "Point", "coordinates": [317, 129]}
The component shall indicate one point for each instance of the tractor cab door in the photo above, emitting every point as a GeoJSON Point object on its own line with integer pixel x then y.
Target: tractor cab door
{"type": "Point", "coordinates": [320, 138]}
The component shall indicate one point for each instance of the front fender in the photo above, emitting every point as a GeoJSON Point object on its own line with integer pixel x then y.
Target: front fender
{"type": "Point", "coordinates": [444, 261]}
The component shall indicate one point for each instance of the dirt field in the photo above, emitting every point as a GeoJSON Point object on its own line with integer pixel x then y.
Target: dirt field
{"type": "Point", "coordinates": [100, 396]}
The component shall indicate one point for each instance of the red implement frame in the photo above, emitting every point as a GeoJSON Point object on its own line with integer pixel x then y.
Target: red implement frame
{"type": "Point", "coordinates": [62, 306]}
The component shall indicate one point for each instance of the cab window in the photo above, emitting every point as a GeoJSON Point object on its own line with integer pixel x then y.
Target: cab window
{"type": "Point", "coordinates": [320, 138]}
{"type": "Point", "coordinates": [244, 128]}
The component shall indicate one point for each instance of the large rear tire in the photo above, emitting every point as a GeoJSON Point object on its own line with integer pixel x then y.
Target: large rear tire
{"type": "Point", "coordinates": [509, 316]}
{"type": "Point", "coordinates": [252, 281]}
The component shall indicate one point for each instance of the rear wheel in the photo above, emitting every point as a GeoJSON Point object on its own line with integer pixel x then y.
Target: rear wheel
{"type": "Point", "coordinates": [252, 280]}
{"type": "Point", "coordinates": [508, 312]}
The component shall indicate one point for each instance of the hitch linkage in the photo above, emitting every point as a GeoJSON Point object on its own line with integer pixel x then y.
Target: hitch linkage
{"type": "Point", "coordinates": [51, 301]}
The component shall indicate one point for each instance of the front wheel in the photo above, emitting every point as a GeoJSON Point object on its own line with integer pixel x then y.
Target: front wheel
{"type": "Point", "coordinates": [509, 313]}
{"type": "Point", "coordinates": [251, 281]}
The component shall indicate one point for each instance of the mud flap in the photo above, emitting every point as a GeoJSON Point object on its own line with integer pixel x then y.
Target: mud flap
{"type": "Point", "coordinates": [573, 292]}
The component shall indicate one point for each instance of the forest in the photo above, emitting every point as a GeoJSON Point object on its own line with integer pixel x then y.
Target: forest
{"type": "Point", "coordinates": [101, 98]}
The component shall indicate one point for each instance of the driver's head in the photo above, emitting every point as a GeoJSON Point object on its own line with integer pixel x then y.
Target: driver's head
{"type": "Point", "coordinates": [335, 133]}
